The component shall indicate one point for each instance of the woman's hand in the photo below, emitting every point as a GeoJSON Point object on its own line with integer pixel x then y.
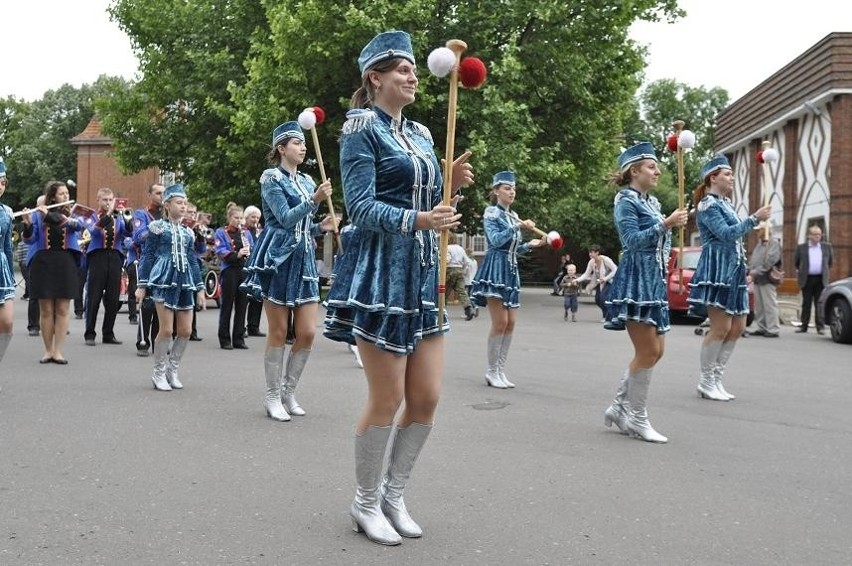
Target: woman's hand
{"type": "Point", "coordinates": [677, 218]}
{"type": "Point", "coordinates": [462, 171]}
{"type": "Point", "coordinates": [140, 295]}
{"type": "Point", "coordinates": [323, 192]}
{"type": "Point", "coordinates": [527, 224]}
{"type": "Point", "coordinates": [328, 223]}
{"type": "Point", "coordinates": [245, 251]}
{"type": "Point", "coordinates": [763, 212]}
{"type": "Point", "coordinates": [536, 243]}
{"type": "Point", "coordinates": [442, 217]}
{"type": "Point", "coordinates": [201, 299]}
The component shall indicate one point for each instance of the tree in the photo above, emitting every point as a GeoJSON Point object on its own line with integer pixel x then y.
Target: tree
{"type": "Point", "coordinates": [666, 100]}
{"type": "Point", "coordinates": [36, 136]}
{"type": "Point", "coordinates": [562, 79]}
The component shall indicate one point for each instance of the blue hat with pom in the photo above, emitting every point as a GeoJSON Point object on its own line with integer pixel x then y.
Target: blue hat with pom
{"type": "Point", "coordinates": [503, 178]}
{"type": "Point", "coordinates": [176, 190]}
{"type": "Point", "coordinates": [286, 131]}
{"type": "Point", "coordinates": [2, 168]}
{"type": "Point", "coordinates": [385, 46]}
{"type": "Point", "coordinates": [716, 163]}
{"type": "Point", "coordinates": [635, 153]}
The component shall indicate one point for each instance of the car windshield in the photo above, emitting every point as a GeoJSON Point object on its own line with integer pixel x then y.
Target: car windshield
{"type": "Point", "coordinates": [690, 259]}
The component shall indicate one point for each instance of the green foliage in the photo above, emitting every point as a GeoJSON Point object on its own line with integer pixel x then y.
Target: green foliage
{"type": "Point", "coordinates": [217, 79]}
{"type": "Point", "coordinates": [35, 136]}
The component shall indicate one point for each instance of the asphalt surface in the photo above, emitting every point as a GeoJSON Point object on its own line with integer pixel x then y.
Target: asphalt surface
{"type": "Point", "coordinates": [98, 468]}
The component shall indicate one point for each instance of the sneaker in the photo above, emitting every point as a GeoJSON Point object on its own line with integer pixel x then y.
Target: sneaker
{"type": "Point", "coordinates": [33, 331]}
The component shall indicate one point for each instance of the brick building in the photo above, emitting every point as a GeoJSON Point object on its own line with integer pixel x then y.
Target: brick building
{"type": "Point", "coordinates": [805, 111]}
{"type": "Point", "coordinates": [96, 169]}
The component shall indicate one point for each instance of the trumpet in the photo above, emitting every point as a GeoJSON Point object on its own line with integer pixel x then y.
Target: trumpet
{"type": "Point", "coordinates": [127, 213]}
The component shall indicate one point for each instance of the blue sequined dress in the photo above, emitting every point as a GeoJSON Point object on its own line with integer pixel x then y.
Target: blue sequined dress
{"type": "Point", "coordinates": [498, 276]}
{"type": "Point", "coordinates": [282, 267]}
{"type": "Point", "coordinates": [638, 290]}
{"type": "Point", "coordinates": [7, 267]}
{"type": "Point", "coordinates": [720, 276]}
{"type": "Point", "coordinates": [386, 282]}
{"type": "Point", "coordinates": [169, 267]}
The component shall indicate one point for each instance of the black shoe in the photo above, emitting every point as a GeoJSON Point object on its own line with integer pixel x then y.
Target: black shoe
{"type": "Point", "coordinates": [60, 361]}
{"type": "Point", "coordinates": [468, 313]}
{"type": "Point", "coordinates": [225, 345]}
{"type": "Point", "coordinates": [34, 331]}
{"type": "Point", "coordinates": [195, 338]}
{"type": "Point", "coordinates": [240, 346]}
{"type": "Point", "coordinates": [142, 353]}
{"type": "Point", "coordinates": [257, 333]}
{"type": "Point", "coordinates": [554, 294]}
{"type": "Point", "coordinates": [78, 316]}
{"type": "Point", "coordinates": [90, 341]}
{"type": "Point", "coordinates": [802, 329]}
{"type": "Point", "coordinates": [820, 331]}
{"type": "Point", "coordinates": [771, 335]}
{"type": "Point", "coordinates": [758, 332]}
{"type": "Point", "coordinates": [134, 320]}
{"type": "Point", "coordinates": [112, 340]}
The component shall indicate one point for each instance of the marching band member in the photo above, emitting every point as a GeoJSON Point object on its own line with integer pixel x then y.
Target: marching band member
{"type": "Point", "coordinates": [191, 221]}
{"type": "Point", "coordinates": [148, 326]}
{"type": "Point", "coordinates": [282, 270]}
{"type": "Point", "coordinates": [718, 288]}
{"type": "Point", "coordinates": [637, 299]}
{"type": "Point", "coordinates": [7, 268]}
{"type": "Point", "coordinates": [385, 294]}
{"type": "Point", "coordinates": [105, 257]}
{"type": "Point", "coordinates": [497, 283]}
{"type": "Point", "coordinates": [255, 308]}
{"type": "Point", "coordinates": [169, 270]}
{"type": "Point", "coordinates": [53, 237]}
{"type": "Point", "coordinates": [233, 246]}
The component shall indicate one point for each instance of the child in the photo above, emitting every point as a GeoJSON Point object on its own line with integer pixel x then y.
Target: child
{"type": "Point", "coordinates": [570, 289]}
{"type": "Point", "coordinates": [170, 273]}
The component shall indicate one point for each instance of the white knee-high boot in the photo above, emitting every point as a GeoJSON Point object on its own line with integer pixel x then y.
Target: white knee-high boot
{"type": "Point", "coordinates": [405, 448]}
{"type": "Point", "coordinates": [616, 413]}
{"type": "Point", "coordinates": [161, 358]}
{"type": "Point", "coordinates": [492, 375]}
{"type": "Point", "coordinates": [175, 356]}
{"type": "Point", "coordinates": [273, 361]}
{"type": "Point", "coordinates": [366, 509]}
{"type": "Point", "coordinates": [4, 344]}
{"type": "Point", "coordinates": [501, 360]}
{"type": "Point", "coordinates": [707, 376]}
{"type": "Point", "coordinates": [722, 363]}
{"type": "Point", "coordinates": [295, 366]}
{"type": "Point", "coordinates": [638, 383]}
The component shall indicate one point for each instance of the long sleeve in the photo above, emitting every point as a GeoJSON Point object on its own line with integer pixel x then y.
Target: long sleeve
{"type": "Point", "coordinates": [627, 219]}
{"type": "Point", "coordinates": [587, 275]}
{"type": "Point", "coordinates": [192, 260]}
{"type": "Point", "coordinates": [713, 218]}
{"type": "Point", "coordinates": [498, 231]}
{"type": "Point", "coordinates": [149, 256]}
{"type": "Point", "coordinates": [272, 191]}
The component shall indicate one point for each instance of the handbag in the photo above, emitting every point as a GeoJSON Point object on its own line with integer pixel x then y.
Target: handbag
{"type": "Point", "coordinates": [775, 275]}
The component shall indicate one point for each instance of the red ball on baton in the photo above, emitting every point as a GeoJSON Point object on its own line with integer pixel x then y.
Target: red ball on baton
{"type": "Point", "coordinates": [320, 115]}
{"type": "Point", "coordinates": [554, 239]}
{"type": "Point", "coordinates": [472, 72]}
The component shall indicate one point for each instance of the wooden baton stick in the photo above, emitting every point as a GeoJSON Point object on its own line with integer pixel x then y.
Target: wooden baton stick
{"type": "Point", "coordinates": [324, 179]}
{"type": "Point", "coordinates": [681, 201]}
{"type": "Point", "coordinates": [767, 193]}
{"type": "Point", "coordinates": [458, 47]}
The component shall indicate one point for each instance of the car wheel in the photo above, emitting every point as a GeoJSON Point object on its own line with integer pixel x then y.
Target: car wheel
{"type": "Point", "coordinates": [841, 321]}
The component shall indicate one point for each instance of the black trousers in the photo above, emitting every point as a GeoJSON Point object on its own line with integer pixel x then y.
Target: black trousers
{"type": "Point", "coordinates": [810, 295]}
{"type": "Point", "coordinates": [255, 309]}
{"type": "Point", "coordinates": [103, 284]}
{"type": "Point", "coordinates": [131, 290]}
{"type": "Point", "coordinates": [149, 325]}
{"type": "Point", "coordinates": [79, 305]}
{"type": "Point", "coordinates": [232, 301]}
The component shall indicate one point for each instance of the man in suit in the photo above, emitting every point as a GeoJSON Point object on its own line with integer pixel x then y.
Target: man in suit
{"type": "Point", "coordinates": [813, 262]}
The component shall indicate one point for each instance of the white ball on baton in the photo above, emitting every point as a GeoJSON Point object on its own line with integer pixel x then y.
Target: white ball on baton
{"type": "Point", "coordinates": [770, 155]}
{"type": "Point", "coordinates": [686, 139]}
{"type": "Point", "coordinates": [441, 61]}
{"type": "Point", "coordinates": [307, 119]}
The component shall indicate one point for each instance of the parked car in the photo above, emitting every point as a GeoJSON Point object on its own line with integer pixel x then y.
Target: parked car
{"type": "Point", "coordinates": [678, 287]}
{"type": "Point", "coordinates": [835, 304]}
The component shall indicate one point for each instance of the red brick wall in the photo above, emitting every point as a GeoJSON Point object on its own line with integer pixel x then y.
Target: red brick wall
{"type": "Point", "coordinates": [97, 169]}
{"type": "Point", "coordinates": [840, 225]}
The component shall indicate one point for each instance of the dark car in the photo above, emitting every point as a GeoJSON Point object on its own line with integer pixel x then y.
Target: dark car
{"type": "Point", "coordinates": [678, 286]}
{"type": "Point", "coordinates": [835, 304]}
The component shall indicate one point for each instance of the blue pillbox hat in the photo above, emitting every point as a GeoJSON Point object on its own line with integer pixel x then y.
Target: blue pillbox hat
{"type": "Point", "coordinates": [503, 178]}
{"type": "Point", "coordinates": [173, 191]}
{"type": "Point", "coordinates": [386, 45]}
{"type": "Point", "coordinates": [716, 163]}
{"type": "Point", "coordinates": [636, 153]}
{"type": "Point", "coordinates": [285, 131]}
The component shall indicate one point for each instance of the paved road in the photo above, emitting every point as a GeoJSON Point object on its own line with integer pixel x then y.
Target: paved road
{"type": "Point", "coordinates": [98, 468]}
